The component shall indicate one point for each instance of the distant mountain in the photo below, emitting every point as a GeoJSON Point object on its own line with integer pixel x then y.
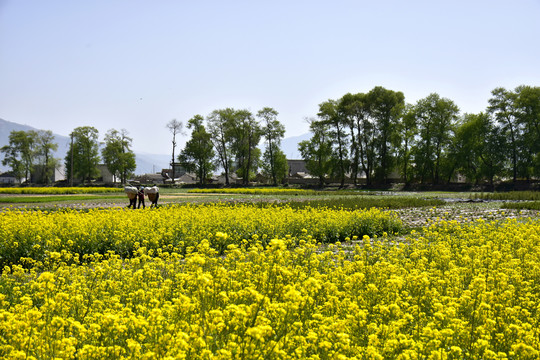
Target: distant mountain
{"type": "Point", "coordinates": [146, 163]}
{"type": "Point", "coordinates": [289, 145]}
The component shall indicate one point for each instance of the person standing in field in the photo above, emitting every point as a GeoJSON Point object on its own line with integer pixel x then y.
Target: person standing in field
{"type": "Point", "coordinates": [153, 195]}
{"type": "Point", "coordinates": [132, 196]}
{"type": "Point", "coordinates": [140, 195]}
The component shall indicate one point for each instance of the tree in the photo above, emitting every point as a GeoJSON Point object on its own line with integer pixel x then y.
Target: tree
{"type": "Point", "coordinates": [219, 122]}
{"type": "Point", "coordinates": [84, 151]}
{"type": "Point", "coordinates": [117, 155]}
{"type": "Point", "coordinates": [385, 107]}
{"type": "Point", "coordinates": [273, 131]}
{"type": "Point", "coordinates": [45, 146]}
{"type": "Point", "coordinates": [19, 153]}
{"type": "Point", "coordinates": [317, 151]}
{"type": "Point", "coordinates": [351, 108]}
{"type": "Point", "coordinates": [436, 118]}
{"type": "Point", "coordinates": [245, 134]}
{"type": "Point", "coordinates": [176, 128]}
{"type": "Point", "coordinates": [365, 129]}
{"type": "Point", "coordinates": [198, 153]}
{"type": "Point", "coordinates": [329, 114]}
{"type": "Point", "coordinates": [527, 105]}
{"type": "Point", "coordinates": [408, 129]}
{"type": "Point", "coordinates": [479, 148]}
{"type": "Point", "coordinates": [274, 165]}
{"type": "Point", "coordinates": [502, 107]}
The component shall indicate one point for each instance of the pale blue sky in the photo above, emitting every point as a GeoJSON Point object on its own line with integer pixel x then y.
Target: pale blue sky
{"type": "Point", "coordinates": [137, 64]}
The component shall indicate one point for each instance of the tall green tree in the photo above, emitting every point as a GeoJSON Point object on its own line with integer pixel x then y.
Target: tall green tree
{"type": "Point", "coordinates": [19, 153]}
{"type": "Point", "coordinates": [367, 140]}
{"type": "Point", "coordinates": [502, 107]}
{"type": "Point", "coordinates": [245, 133]}
{"type": "Point", "coordinates": [436, 118]}
{"type": "Point", "coordinates": [45, 146]}
{"type": "Point", "coordinates": [198, 153]}
{"type": "Point", "coordinates": [84, 151]}
{"type": "Point", "coordinates": [386, 107]}
{"type": "Point", "coordinates": [117, 154]}
{"type": "Point", "coordinates": [317, 151]}
{"type": "Point", "coordinates": [219, 123]}
{"type": "Point", "coordinates": [351, 108]}
{"type": "Point", "coordinates": [480, 148]}
{"type": "Point", "coordinates": [337, 125]}
{"type": "Point", "coordinates": [274, 166]}
{"type": "Point", "coordinates": [408, 130]}
{"type": "Point", "coordinates": [273, 132]}
{"type": "Point", "coordinates": [527, 106]}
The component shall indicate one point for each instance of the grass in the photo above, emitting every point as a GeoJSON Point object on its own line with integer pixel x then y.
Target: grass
{"type": "Point", "coordinates": [527, 205]}
{"type": "Point", "coordinates": [361, 202]}
{"type": "Point", "coordinates": [511, 195]}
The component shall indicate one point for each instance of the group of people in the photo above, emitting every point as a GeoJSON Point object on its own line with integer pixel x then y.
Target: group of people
{"type": "Point", "coordinates": [139, 192]}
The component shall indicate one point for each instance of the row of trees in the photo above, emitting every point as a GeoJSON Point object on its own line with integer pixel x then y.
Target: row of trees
{"type": "Point", "coordinates": [373, 135]}
{"type": "Point", "coordinates": [31, 152]}
{"type": "Point", "coordinates": [230, 140]}
{"type": "Point", "coordinates": [377, 134]}
{"type": "Point", "coordinates": [83, 155]}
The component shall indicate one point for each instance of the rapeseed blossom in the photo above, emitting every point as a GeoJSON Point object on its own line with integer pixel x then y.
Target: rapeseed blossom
{"type": "Point", "coordinates": [451, 291]}
{"type": "Point", "coordinates": [37, 235]}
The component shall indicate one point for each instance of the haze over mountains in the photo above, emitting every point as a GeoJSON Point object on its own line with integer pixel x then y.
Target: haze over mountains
{"type": "Point", "coordinates": [146, 163]}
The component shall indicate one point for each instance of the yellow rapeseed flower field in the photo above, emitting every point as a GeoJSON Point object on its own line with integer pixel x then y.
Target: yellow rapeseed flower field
{"type": "Point", "coordinates": [451, 291]}
{"type": "Point", "coordinates": [253, 191]}
{"type": "Point", "coordinates": [59, 190]}
{"type": "Point", "coordinates": [32, 234]}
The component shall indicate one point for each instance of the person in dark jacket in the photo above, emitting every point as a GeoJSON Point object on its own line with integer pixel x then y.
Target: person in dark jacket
{"type": "Point", "coordinates": [140, 195]}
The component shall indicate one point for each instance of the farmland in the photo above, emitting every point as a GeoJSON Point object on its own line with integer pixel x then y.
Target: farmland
{"type": "Point", "coordinates": [315, 275]}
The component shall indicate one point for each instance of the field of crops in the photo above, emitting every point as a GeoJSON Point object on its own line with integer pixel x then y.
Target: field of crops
{"type": "Point", "coordinates": [59, 190]}
{"type": "Point", "coordinates": [241, 281]}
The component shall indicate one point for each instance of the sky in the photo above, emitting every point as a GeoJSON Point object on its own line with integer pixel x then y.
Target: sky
{"type": "Point", "coordinates": [138, 64]}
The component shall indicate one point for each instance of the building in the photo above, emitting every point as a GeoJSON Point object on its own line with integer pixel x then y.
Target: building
{"type": "Point", "coordinates": [59, 174]}
{"type": "Point", "coordinates": [105, 175]}
{"type": "Point", "coordinates": [296, 167]}
{"type": "Point", "coordinates": [8, 178]}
